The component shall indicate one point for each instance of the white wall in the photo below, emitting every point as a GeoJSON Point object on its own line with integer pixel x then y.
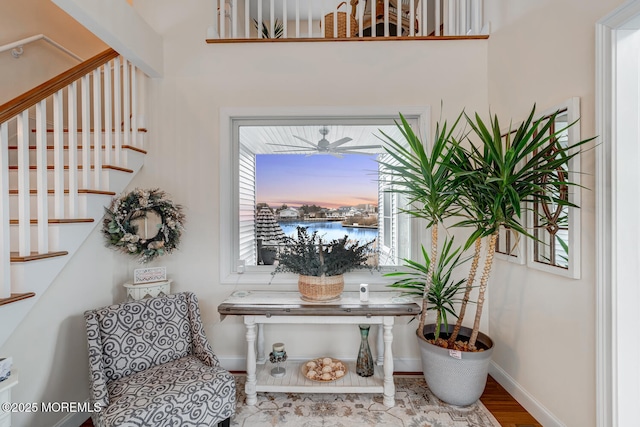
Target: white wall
{"type": "Point", "coordinates": [201, 79]}
{"type": "Point", "coordinates": [49, 348]}
{"type": "Point", "coordinates": [543, 325]}
{"type": "Point", "coordinates": [40, 61]}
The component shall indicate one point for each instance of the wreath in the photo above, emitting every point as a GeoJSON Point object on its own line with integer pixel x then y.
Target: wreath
{"type": "Point", "coordinates": [122, 234]}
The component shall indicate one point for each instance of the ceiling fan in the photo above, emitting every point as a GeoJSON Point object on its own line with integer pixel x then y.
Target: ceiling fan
{"type": "Point", "coordinates": [323, 146]}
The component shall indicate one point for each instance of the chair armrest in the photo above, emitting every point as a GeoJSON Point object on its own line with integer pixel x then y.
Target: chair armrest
{"type": "Point", "coordinates": [201, 348]}
{"type": "Point", "coordinates": [97, 377]}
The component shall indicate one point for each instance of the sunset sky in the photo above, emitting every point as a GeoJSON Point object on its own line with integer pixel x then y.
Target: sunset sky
{"type": "Point", "coordinates": [321, 179]}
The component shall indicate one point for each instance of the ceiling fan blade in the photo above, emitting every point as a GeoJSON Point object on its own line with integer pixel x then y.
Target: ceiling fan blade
{"type": "Point", "coordinates": [359, 147]}
{"type": "Point", "coordinates": [306, 140]}
{"type": "Point", "coordinates": [353, 152]}
{"type": "Point", "coordinates": [289, 145]}
{"type": "Point", "coordinates": [299, 149]}
{"type": "Point", "coordinates": [339, 142]}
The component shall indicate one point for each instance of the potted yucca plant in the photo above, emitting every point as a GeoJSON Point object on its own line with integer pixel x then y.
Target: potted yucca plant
{"type": "Point", "coordinates": [487, 177]}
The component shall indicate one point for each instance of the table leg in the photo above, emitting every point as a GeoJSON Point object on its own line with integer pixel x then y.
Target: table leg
{"type": "Point", "coordinates": [262, 358]}
{"type": "Point", "coordinates": [251, 382]}
{"type": "Point", "coordinates": [389, 393]}
{"type": "Point", "coordinates": [380, 346]}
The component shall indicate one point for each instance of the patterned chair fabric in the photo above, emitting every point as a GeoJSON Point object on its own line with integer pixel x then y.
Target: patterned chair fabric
{"type": "Point", "coordinates": [150, 364]}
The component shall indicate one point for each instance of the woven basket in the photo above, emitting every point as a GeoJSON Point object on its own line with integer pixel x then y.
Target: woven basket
{"type": "Point", "coordinates": [342, 24]}
{"type": "Point", "coordinates": [320, 288]}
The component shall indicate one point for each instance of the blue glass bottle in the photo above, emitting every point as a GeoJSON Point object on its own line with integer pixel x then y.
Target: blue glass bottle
{"type": "Point", "coordinates": [364, 363]}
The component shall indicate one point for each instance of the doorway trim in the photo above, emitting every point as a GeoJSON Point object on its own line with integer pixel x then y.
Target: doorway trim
{"type": "Point", "coordinates": [617, 294]}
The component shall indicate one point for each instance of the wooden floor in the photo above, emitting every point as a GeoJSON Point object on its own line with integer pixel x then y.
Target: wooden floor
{"type": "Point", "coordinates": [507, 411]}
{"type": "Point", "coordinates": [505, 408]}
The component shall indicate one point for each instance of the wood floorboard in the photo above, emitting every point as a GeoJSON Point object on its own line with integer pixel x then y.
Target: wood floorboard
{"type": "Point", "coordinates": [505, 408]}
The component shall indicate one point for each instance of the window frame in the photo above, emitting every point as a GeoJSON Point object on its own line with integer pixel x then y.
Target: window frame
{"type": "Point", "coordinates": [231, 271]}
{"type": "Point", "coordinates": [572, 107]}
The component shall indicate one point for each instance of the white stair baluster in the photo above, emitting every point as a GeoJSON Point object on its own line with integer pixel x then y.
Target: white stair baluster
{"type": "Point", "coordinates": [58, 155]}
{"type": "Point", "coordinates": [134, 106]}
{"type": "Point", "coordinates": [72, 117]}
{"type": "Point", "coordinates": [97, 130]}
{"type": "Point", "coordinates": [126, 101]}
{"type": "Point", "coordinates": [41, 177]}
{"type": "Point", "coordinates": [5, 250]}
{"type": "Point", "coordinates": [108, 111]}
{"type": "Point", "coordinates": [117, 111]}
{"type": "Point", "coordinates": [24, 206]}
{"type": "Point", "coordinates": [85, 106]}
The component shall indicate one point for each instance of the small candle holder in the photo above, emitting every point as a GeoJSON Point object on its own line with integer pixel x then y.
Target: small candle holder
{"type": "Point", "coordinates": [278, 356]}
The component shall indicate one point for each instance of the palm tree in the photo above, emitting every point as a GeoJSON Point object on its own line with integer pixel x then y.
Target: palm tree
{"type": "Point", "coordinates": [426, 182]}
{"type": "Point", "coordinates": [496, 180]}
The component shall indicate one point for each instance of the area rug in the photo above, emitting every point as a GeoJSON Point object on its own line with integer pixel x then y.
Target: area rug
{"type": "Point", "coordinates": [415, 406]}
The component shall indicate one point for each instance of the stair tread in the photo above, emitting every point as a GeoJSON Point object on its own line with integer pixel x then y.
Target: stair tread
{"type": "Point", "coordinates": [66, 191]}
{"type": "Point", "coordinates": [16, 297]}
{"type": "Point", "coordinates": [66, 167]}
{"type": "Point", "coordinates": [66, 130]}
{"type": "Point", "coordinates": [66, 147]}
{"type": "Point", "coordinates": [15, 256]}
{"type": "Point", "coordinates": [56, 220]}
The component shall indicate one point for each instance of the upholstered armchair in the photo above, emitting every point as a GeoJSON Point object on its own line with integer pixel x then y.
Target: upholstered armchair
{"type": "Point", "coordinates": [150, 365]}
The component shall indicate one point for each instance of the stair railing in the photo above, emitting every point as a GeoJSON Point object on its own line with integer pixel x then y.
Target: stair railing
{"type": "Point", "coordinates": [108, 99]}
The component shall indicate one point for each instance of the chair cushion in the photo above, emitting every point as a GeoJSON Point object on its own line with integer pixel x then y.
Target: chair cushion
{"type": "Point", "coordinates": [184, 392]}
{"type": "Point", "coordinates": [141, 334]}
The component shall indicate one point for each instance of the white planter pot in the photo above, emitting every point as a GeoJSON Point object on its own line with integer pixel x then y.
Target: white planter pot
{"type": "Point", "coordinates": [455, 381]}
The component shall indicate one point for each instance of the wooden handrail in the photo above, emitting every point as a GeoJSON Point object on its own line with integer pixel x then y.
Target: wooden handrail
{"type": "Point", "coordinates": [48, 88]}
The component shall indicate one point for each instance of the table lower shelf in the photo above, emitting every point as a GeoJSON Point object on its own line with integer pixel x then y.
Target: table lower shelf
{"type": "Point", "coordinates": [295, 382]}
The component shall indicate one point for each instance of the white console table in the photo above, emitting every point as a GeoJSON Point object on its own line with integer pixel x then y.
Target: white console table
{"type": "Point", "coordinates": [262, 307]}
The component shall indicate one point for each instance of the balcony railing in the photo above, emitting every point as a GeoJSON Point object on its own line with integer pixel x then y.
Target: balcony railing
{"type": "Point", "coordinates": [314, 20]}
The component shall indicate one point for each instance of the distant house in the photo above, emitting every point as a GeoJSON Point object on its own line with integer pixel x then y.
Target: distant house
{"type": "Point", "coordinates": [288, 214]}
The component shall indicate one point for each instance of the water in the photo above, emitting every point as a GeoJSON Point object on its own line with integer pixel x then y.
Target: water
{"type": "Point", "coordinates": [330, 230]}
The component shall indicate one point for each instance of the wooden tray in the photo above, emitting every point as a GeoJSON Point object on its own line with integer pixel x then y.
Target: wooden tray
{"type": "Point", "coordinates": [322, 362]}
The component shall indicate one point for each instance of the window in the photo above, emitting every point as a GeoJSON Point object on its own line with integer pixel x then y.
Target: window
{"type": "Point", "coordinates": [556, 228]}
{"type": "Point", "coordinates": [251, 140]}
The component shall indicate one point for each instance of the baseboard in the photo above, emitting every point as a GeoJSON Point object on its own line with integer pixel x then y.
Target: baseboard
{"type": "Point", "coordinates": [74, 419]}
{"type": "Point", "coordinates": [399, 365]}
{"type": "Point", "coordinates": [530, 403]}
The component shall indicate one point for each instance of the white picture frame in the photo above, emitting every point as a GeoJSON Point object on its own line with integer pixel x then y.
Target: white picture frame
{"type": "Point", "coordinates": [149, 275]}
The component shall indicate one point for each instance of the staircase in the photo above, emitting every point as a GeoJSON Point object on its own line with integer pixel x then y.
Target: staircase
{"type": "Point", "coordinates": [66, 148]}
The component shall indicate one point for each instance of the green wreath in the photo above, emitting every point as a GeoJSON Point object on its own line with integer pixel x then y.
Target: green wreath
{"type": "Point", "coordinates": [122, 234]}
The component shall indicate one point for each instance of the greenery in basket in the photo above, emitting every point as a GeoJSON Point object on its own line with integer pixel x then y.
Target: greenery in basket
{"type": "Point", "coordinates": [308, 255]}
